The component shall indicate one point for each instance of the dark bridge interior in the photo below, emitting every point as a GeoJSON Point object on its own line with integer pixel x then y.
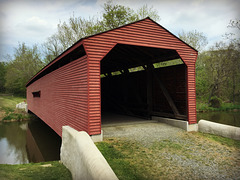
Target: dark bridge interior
{"type": "Point", "coordinates": [143, 82]}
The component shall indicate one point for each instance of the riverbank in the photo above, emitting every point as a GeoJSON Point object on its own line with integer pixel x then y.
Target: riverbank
{"type": "Point", "coordinates": [204, 107]}
{"type": "Point", "coordinates": [34, 171]}
{"type": "Point", "coordinates": [223, 117]}
{"type": "Point", "coordinates": [228, 113]}
{"type": "Point", "coordinates": [8, 111]}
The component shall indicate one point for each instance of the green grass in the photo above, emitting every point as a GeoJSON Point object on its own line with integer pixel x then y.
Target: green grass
{"type": "Point", "coordinates": [35, 171]}
{"type": "Point", "coordinates": [168, 144]}
{"type": "Point", "coordinates": [222, 140]}
{"type": "Point", "coordinates": [10, 101]}
{"type": "Point", "coordinates": [7, 109]}
{"type": "Point", "coordinates": [119, 158]}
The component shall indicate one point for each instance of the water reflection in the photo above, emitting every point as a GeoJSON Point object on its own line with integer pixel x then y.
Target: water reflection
{"type": "Point", "coordinates": [24, 142]}
{"type": "Point", "coordinates": [13, 143]}
{"type": "Point", "coordinates": [229, 118]}
{"type": "Point", "coordinates": [43, 144]}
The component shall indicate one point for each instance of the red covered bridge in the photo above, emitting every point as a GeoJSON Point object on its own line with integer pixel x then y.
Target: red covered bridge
{"type": "Point", "coordinates": [117, 71]}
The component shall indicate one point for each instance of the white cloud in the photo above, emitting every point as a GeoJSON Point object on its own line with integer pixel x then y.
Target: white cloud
{"type": "Point", "coordinates": [34, 25]}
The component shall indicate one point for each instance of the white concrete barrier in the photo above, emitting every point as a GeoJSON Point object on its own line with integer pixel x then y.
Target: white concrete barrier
{"type": "Point", "coordinates": [219, 129]}
{"type": "Point", "coordinates": [80, 155]}
{"type": "Point", "coordinates": [22, 105]}
{"type": "Point", "coordinates": [177, 123]}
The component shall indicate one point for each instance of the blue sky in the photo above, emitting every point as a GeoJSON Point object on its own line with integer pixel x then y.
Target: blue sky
{"type": "Point", "coordinates": [32, 21]}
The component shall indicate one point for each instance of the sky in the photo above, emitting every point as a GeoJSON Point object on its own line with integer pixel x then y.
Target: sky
{"type": "Point", "coordinates": [33, 21]}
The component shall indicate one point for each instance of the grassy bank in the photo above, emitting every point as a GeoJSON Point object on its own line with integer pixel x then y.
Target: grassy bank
{"type": "Point", "coordinates": [169, 159]}
{"type": "Point", "coordinates": [46, 170]}
{"type": "Point", "coordinates": [8, 111]}
{"type": "Point", "coordinates": [204, 107]}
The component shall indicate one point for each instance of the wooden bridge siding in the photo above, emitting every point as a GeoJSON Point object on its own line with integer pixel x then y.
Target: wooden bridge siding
{"type": "Point", "coordinates": [142, 33]}
{"type": "Point", "coordinates": [190, 57]}
{"type": "Point", "coordinates": [94, 96]}
{"type": "Point", "coordinates": [64, 97]}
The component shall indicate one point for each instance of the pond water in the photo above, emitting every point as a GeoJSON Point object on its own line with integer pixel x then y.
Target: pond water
{"type": "Point", "coordinates": [229, 118]}
{"type": "Point", "coordinates": [24, 142]}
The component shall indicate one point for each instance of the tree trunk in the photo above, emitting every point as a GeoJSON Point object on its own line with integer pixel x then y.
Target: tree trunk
{"type": "Point", "coordinates": [233, 90]}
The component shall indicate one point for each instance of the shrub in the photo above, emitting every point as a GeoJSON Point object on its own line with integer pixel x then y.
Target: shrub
{"type": "Point", "coordinates": [215, 102]}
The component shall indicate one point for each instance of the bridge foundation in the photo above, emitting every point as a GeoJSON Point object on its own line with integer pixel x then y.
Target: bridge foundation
{"type": "Point", "coordinates": [98, 137]}
{"type": "Point", "coordinates": [177, 123]}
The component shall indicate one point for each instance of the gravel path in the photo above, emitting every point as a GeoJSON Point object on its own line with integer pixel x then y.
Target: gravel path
{"type": "Point", "coordinates": [146, 133]}
{"type": "Point", "coordinates": [187, 156]}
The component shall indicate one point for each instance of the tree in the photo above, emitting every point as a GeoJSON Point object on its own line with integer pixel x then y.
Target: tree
{"type": "Point", "coordinates": [234, 24]}
{"type": "Point", "coordinates": [115, 15]}
{"type": "Point", "coordinates": [51, 48]}
{"type": "Point", "coordinates": [3, 66]}
{"type": "Point", "coordinates": [202, 81]}
{"type": "Point", "coordinates": [75, 29]}
{"type": "Point", "coordinates": [218, 69]}
{"type": "Point", "coordinates": [234, 78]}
{"type": "Point", "coordinates": [194, 38]}
{"type": "Point", "coordinates": [67, 34]}
{"type": "Point", "coordinates": [25, 63]}
{"type": "Point", "coordinates": [112, 16]}
{"type": "Point", "coordinates": [220, 72]}
{"type": "Point", "coordinates": [146, 11]}
{"type": "Point", "coordinates": [235, 65]}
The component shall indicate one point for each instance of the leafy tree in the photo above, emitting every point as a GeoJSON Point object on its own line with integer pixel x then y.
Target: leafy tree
{"type": "Point", "coordinates": [234, 79]}
{"type": "Point", "coordinates": [25, 63]}
{"type": "Point", "coordinates": [51, 48]}
{"type": "Point", "coordinates": [3, 66]}
{"type": "Point", "coordinates": [202, 81]}
{"type": "Point", "coordinates": [67, 34]}
{"type": "Point", "coordinates": [194, 38]}
{"type": "Point", "coordinates": [220, 72]}
{"type": "Point", "coordinates": [146, 11]}
{"type": "Point", "coordinates": [115, 15]}
{"type": "Point", "coordinates": [217, 66]}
